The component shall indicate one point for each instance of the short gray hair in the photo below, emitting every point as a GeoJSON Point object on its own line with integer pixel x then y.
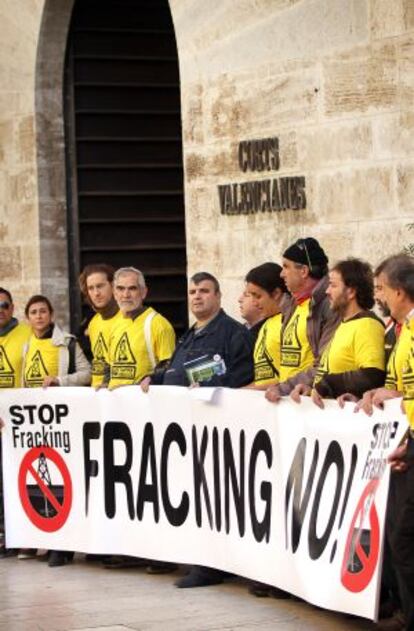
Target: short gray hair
{"type": "Point", "coordinates": [131, 270]}
{"type": "Point", "coordinates": [399, 271]}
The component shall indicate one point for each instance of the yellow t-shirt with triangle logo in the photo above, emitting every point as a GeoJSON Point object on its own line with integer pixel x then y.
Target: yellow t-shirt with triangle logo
{"type": "Point", "coordinates": [11, 355]}
{"type": "Point", "coordinates": [100, 331]}
{"type": "Point", "coordinates": [42, 359]}
{"type": "Point", "coordinates": [266, 354]}
{"type": "Point", "coordinates": [397, 359]}
{"type": "Point", "coordinates": [128, 355]}
{"type": "Point", "coordinates": [408, 378]}
{"type": "Point", "coordinates": [296, 352]}
{"type": "Point", "coordinates": [357, 343]}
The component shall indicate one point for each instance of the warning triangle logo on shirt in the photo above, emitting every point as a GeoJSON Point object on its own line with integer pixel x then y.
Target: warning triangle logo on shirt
{"type": "Point", "coordinates": [6, 370]}
{"type": "Point", "coordinates": [124, 363]}
{"type": "Point", "coordinates": [35, 371]}
{"type": "Point", "coordinates": [100, 350]}
{"type": "Point", "coordinates": [123, 352]}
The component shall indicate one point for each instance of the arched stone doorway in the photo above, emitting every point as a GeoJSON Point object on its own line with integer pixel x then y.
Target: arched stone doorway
{"type": "Point", "coordinates": [123, 182]}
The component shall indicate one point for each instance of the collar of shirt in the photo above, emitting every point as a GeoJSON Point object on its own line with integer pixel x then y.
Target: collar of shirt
{"type": "Point", "coordinates": [409, 316]}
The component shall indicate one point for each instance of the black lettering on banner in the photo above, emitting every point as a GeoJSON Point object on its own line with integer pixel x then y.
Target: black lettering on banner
{"type": "Point", "coordinates": [117, 474]}
{"type": "Point", "coordinates": [217, 479]}
{"type": "Point", "coordinates": [16, 417]}
{"type": "Point", "coordinates": [148, 492]}
{"type": "Point", "coordinates": [295, 480]}
{"type": "Point", "coordinates": [175, 515]}
{"type": "Point", "coordinates": [200, 480]}
{"type": "Point", "coordinates": [237, 486]}
{"type": "Point", "coordinates": [91, 431]}
{"type": "Point", "coordinates": [334, 458]}
{"type": "Point", "coordinates": [261, 444]}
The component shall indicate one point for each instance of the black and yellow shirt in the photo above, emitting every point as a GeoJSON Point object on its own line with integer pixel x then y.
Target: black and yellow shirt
{"type": "Point", "coordinates": [356, 352]}
{"type": "Point", "coordinates": [11, 355]}
{"type": "Point", "coordinates": [267, 351]}
{"type": "Point", "coordinates": [100, 331]}
{"type": "Point", "coordinates": [42, 360]}
{"type": "Point", "coordinates": [408, 378]}
{"type": "Point", "coordinates": [397, 360]}
{"type": "Point", "coordinates": [296, 352]}
{"type": "Point", "coordinates": [137, 345]}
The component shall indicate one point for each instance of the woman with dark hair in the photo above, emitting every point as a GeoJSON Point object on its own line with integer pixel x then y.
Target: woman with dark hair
{"type": "Point", "coordinates": [51, 357]}
{"type": "Point", "coordinates": [268, 290]}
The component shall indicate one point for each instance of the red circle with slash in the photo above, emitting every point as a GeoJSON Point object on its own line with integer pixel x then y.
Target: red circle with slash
{"type": "Point", "coordinates": [48, 524]}
{"type": "Point", "coordinates": [359, 580]}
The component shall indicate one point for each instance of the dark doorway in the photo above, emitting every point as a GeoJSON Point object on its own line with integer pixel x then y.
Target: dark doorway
{"type": "Point", "coordinates": [124, 148]}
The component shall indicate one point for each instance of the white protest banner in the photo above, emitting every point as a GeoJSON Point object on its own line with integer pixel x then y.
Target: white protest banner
{"type": "Point", "coordinates": [287, 494]}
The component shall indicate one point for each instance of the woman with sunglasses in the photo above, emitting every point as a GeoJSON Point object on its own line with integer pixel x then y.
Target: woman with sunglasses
{"type": "Point", "coordinates": [51, 357]}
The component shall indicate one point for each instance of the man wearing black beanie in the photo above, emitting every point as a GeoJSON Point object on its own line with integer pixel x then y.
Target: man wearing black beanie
{"type": "Point", "coordinates": [308, 321]}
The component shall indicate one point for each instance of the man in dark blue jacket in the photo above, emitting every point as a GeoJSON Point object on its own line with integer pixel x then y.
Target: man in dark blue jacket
{"type": "Point", "coordinates": [215, 351]}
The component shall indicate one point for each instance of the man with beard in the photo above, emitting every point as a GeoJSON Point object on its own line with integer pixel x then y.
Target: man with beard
{"type": "Point", "coordinates": [353, 361]}
{"type": "Point", "coordinates": [96, 285]}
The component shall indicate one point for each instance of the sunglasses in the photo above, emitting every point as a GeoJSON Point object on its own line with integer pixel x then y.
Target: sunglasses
{"type": "Point", "coordinates": [301, 243]}
{"type": "Point", "coordinates": [4, 304]}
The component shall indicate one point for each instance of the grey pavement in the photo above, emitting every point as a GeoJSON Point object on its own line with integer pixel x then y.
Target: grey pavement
{"type": "Point", "coordinates": [86, 597]}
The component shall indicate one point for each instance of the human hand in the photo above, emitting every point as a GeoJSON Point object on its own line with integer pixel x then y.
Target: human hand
{"type": "Point", "coordinates": [50, 381]}
{"type": "Point", "coordinates": [344, 398]}
{"type": "Point", "coordinates": [300, 390]}
{"type": "Point", "coordinates": [272, 393]}
{"type": "Point", "coordinates": [317, 399]}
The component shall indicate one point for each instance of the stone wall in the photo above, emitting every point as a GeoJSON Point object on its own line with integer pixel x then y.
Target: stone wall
{"type": "Point", "coordinates": [19, 225]}
{"type": "Point", "coordinates": [33, 246]}
{"type": "Point", "coordinates": [334, 81]}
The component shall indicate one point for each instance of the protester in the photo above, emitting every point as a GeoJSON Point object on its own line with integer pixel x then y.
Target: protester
{"type": "Point", "coordinates": [143, 340]}
{"type": "Point", "coordinates": [96, 285]}
{"type": "Point", "coordinates": [353, 361]}
{"type": "Point", "coordinates": [250, 313]}
{"type": "Point", "coordinates": [397, 280]}
{"type": "Point", "coordinates": [308, 322]}
{"type": "Point", "coordinates": [268, 290]}
{"type": "Point", "coordinates": [51, 357]}
{"type": "Point", "coordinates": [215, 351]}
{"type": "Point", "coordinates": [13, 336]}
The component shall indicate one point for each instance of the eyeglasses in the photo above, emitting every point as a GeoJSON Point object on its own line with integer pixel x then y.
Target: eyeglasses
{"type": "Point", "coordinates": [301, 243]}
{"type": "Point", "coordinates": [4, 305]}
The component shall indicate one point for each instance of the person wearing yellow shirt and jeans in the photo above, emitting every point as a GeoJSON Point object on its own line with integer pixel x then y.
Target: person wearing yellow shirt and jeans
{"type": "Point", "coordinates": [51, 357]}
{"type": "Point", "coordinates": [398, 288]}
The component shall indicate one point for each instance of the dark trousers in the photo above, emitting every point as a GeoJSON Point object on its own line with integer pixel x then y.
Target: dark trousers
{"type": "Point", "coordinates": [401, 534]}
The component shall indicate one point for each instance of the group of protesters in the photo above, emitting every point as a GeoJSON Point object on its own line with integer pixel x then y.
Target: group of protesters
{"type": "Point", "coordinates": [309, 331]}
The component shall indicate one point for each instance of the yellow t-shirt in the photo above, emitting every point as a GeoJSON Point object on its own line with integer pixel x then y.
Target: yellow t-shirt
{"type": "Point", "coordinates": [398, 357]}
{"type": "Point", "coordinates": [11, 356]}
{"type": "Point", "coordinates": [42, 359]}
{"type": "Point", "coordinates": [128, 355]}
{"type": "Point", "coordinates": [296, 352]}
{"type": "Point", "coordinates": [266, 354]}
{"type": "Point", "coordinates": [357, 343]}
{"type": "Point", "coordinates": [408, 378]}
{"type": "Point", "coordinates": [100, 331]}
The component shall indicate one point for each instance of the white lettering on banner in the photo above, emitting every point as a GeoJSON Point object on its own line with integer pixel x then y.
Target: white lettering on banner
{"type": "Point", "coordinates": [287, 494]}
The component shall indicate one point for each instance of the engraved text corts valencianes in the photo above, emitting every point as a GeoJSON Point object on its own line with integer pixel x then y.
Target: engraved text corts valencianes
{"type": "Point", "coordinates": [275, 194]}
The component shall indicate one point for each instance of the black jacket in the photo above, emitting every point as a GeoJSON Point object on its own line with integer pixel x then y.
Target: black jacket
{"type": "Point", "coordinates": [224, 339]}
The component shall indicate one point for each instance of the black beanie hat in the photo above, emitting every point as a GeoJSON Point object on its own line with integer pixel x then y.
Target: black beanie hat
{"type": "Point", "coordinates": [306, 251]}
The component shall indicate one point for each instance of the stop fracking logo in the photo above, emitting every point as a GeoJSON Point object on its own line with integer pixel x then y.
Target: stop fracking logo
{"type": "Point", "coordinates": [45, 488]}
